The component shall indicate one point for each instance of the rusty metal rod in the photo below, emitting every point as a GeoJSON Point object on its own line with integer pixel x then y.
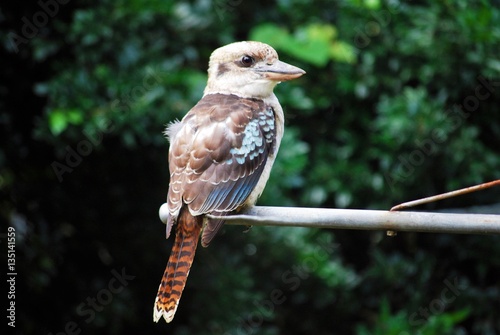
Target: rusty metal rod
{"type": "Point", "coordinates": [446, 195]}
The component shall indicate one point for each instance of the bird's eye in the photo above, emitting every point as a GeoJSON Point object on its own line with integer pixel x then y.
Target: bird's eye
{"type": "Point", "coordinates": [247, 61]}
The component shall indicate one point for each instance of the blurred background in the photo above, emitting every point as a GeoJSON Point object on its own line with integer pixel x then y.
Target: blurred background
{"type": "Point", "coordinates": [400, 101]}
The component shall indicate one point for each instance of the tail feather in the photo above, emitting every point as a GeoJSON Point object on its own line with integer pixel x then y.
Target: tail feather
{"type": "Point", "coordinates": [177, 270]}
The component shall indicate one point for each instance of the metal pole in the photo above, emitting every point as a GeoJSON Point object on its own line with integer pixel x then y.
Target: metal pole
{"type": "Point", "coordinates": [368, 220]}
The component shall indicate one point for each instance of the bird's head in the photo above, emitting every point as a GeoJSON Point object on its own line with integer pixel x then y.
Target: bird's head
{"type": "Point", "coordinates": [247, 69]}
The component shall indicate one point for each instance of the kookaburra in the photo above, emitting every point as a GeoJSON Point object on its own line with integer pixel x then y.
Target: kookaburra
{"type": "Point", "coordinates": [221, 154]}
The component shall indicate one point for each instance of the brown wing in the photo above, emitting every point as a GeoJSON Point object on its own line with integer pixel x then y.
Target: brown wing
{"type": "Point", "coordinates": [218, 153]}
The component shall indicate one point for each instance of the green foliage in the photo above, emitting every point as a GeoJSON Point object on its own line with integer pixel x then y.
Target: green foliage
{"type": "Point", "coordinates": [59, 119]}
{"type": "Point", "coordinates": [400, 101]}
{"type": "Point", "coordinates": [314, 43]}
{"type": "Point", "coordinates": [280, 190]}
{"type": "Point", "coordinates": [398, 324]}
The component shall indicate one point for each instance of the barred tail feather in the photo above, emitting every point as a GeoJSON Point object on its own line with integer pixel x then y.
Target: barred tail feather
{"type": "Point", "coordinates": [177, 270]}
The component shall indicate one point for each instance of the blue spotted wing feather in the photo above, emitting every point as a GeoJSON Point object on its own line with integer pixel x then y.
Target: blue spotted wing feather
{"type": "Point", "coordinates": [217, 156]}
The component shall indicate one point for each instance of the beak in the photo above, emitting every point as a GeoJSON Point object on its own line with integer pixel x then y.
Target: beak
{"type": "Point", "coordinates": [279, 71]}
